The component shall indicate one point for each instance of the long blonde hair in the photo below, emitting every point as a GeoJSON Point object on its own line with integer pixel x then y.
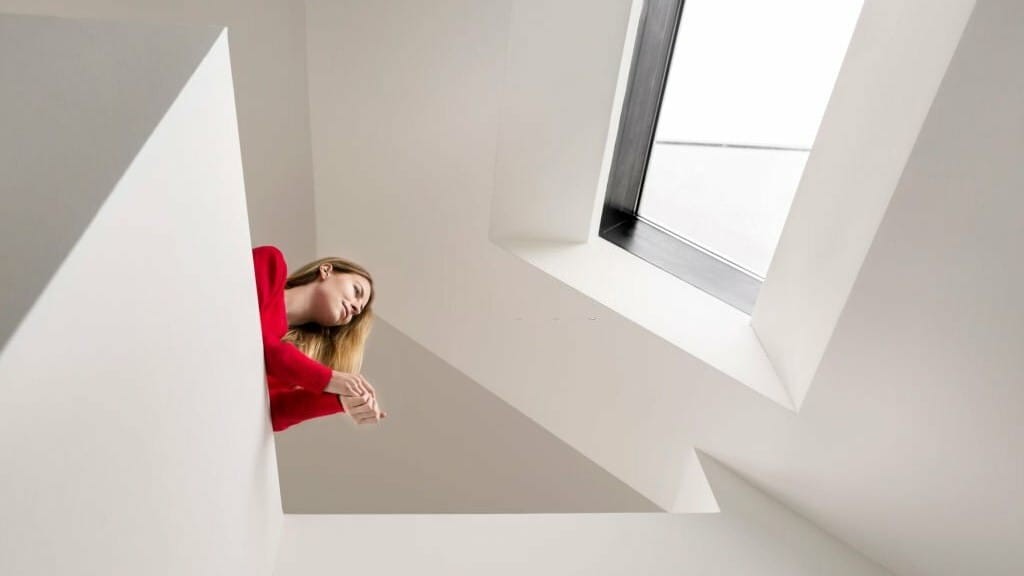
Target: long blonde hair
{"type": "Point", "coordinates": [339, 347]}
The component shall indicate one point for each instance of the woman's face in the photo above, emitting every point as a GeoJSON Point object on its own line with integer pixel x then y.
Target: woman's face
{"type": "Point", "coordinates": [339, 296]}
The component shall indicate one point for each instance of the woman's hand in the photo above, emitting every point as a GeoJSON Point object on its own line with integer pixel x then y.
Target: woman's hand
{"type": "Point", "coordinates": [360, 408]}
{"type": "Point", "coordinates": [357, 395]}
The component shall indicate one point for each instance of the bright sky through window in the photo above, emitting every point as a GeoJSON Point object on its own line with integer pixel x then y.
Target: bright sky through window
{"type": "Point", "coordinates": [748, 85]}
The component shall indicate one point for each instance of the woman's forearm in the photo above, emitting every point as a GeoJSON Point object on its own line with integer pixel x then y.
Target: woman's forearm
{"type": "Point", "coordinates": [287, 364]}
{"type": "Point", "coordinates": [337, 384]}
{"type": "Point", "coordinates": [349, 385]}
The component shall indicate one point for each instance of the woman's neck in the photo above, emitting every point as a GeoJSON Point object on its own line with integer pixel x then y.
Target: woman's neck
{"type": "Point", "coordinates": [296, 305]}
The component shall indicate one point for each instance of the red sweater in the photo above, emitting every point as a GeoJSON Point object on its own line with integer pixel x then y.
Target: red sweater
{"type": "Point", "coordinates": [295, 381]}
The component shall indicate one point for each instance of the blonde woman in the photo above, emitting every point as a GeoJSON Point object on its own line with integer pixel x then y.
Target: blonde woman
{"type": "Point", "coordinates": [315, 323]}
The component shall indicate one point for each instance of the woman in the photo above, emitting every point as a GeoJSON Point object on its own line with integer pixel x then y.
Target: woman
{"type": "Point", "coordinates": [315, 323]}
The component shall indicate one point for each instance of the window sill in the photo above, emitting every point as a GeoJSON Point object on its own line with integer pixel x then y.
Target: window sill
{"type": "Point", "coordinates": [686, 317]}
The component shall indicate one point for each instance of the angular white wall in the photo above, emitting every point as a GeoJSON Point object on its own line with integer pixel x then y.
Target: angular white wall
{"type": "Point", "coordinates": [133, 425]}
{"type": "Point", "coordinates": [925, 365]}
{"type": "Point", "coordinates": [897, 57]}
{"type": "Point", "coordinates": [75, 110]}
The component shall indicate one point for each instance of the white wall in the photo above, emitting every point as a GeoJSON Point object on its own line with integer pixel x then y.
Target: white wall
{"type": "Point", "coordinates": [133, 426]}
{"type": "Point", "coordinates": [925, 364]}
{"type": "Point", "coordinates": [268, 60]}
{"type": "Point", "coordinates": [752, 535]}
{"type": "Point", "coordinates": [896, 59]}
{"type": "Point", "coordinates": [447, 446]}
{"type": "Point", "coordinates": [56, 171]}
{"type": "Point", "coordinates": [554, 129]}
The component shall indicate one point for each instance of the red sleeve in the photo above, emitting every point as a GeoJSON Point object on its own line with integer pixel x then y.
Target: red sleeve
{"type": "Point", "coordinates": [283, 360]}
{"type": "Point", "coordinates": [288, 364]}
{"type": "Point", "coordinates": [288, 407]}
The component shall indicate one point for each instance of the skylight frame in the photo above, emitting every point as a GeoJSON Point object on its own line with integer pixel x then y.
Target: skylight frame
{"type": "Point", "coordinates": [621, 223]}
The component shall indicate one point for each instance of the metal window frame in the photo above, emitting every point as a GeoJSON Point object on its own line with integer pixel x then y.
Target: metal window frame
{"type": "Point", "coordinates": [620, 222]}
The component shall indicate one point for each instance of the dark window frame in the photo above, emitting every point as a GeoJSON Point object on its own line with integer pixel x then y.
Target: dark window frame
{"type": "Point", "coordinates": [620, 222]}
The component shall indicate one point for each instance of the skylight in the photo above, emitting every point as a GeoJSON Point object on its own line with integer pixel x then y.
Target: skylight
{"type": "Point", "coordinates": [747, 87]}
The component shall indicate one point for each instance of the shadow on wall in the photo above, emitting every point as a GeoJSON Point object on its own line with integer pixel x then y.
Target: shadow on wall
{"type": "Point", "coordinates": [63, 86]}
{"type": "Point", "coordinates": [448, 445]}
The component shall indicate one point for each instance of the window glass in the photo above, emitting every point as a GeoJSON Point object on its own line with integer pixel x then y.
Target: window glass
{"type": "Point", "coordinates": [748, 84]}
